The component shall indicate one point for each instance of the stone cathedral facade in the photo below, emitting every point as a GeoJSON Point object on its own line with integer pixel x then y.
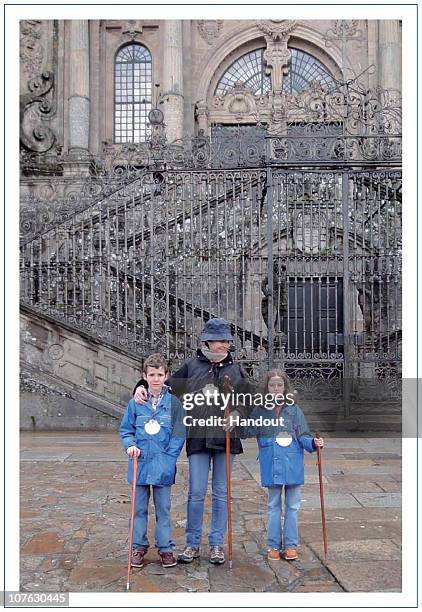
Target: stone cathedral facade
{"type": "Point", "coordinates": [175, 170]}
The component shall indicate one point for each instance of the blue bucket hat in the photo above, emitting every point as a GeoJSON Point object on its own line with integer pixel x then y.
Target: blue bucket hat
{"type": "Point", "coordinates": [216, 329]}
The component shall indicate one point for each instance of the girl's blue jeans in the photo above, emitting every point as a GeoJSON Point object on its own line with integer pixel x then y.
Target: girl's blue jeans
{"type": "Point", "coordinates": [199, 466]}
{"type": "Point", "coordinates": [287, 536]}
{"type": "Point", "coordinates": [162, 504]}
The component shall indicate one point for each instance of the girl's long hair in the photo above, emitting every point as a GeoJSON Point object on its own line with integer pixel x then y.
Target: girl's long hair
{"type": "Point", "coordinates": [288, 388]}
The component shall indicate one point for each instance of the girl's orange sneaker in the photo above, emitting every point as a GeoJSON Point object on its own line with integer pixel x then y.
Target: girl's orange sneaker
{"type": "Point", "coordinates": [273, 554]}
{"type": "Point", "coordinates": [290, 554]}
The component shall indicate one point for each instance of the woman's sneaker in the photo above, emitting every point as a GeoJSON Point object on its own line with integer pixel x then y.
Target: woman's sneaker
{"type": "Point", "coordinates": [273, 554]}
{"type": "Point", "coordinates": [217, 555]}
{"type": "Point", "coordinates": [290, 554]}
{"type": "Point", "coordinates": [189, 554]}
{"type": "Point", "coordinates": [168, 559]}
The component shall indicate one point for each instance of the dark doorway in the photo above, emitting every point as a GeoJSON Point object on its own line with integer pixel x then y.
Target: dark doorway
{"type": "Point", "coordinates": [315, 315]}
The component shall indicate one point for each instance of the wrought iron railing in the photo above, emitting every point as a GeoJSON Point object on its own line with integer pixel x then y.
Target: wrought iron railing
{"type": "Point", "coordinates": [298, 245]}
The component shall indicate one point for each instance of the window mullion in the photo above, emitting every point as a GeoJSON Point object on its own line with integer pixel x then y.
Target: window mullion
{"type": "Point", "coordinates": [133, 100]}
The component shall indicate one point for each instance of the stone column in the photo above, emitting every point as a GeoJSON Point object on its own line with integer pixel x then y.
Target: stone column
{"type": "Point", "coordinates": [96, 102]}
{"type": "Point", "coordinates": [173, 78]}
{"type": "Point", "coordinates": [188, 118]}
{"type": "Point", "coordinates": [79, 87]}
{"type": "Point", "coordinates": [389, 46]}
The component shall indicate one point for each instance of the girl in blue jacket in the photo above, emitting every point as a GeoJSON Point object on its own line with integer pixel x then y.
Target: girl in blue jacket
{"type": "Point", "coordinates": [281, 444]}
{"type": "Point", "coordinates": [154, 432]}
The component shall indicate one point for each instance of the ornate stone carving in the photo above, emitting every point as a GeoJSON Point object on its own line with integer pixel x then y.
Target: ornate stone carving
{"type": "Point", "coordinates": [202, 114]}
{"type": "Point", "coordinates": [346, 27]}
{"type": "Point", "coordinates": [310, 231]}
{"type": "Point", "coordinates": [238, 101]}
{"type": "Point", "coordinates": [277, 29]}
{"type": "Point", "coordinates": [277, 120]}
{"type": "Point", "coordinates": [55, 351]}
{"type": "Point", "coordinates": [31, 49]}
{"type": "Point", "coordinates": [277, 54]}
{"type": "Point", "coordinates": [131, 28]}
{"type": "Point", "coordinates": [36, 108]}
{"type": "Point", "coordinates": [210, 29]}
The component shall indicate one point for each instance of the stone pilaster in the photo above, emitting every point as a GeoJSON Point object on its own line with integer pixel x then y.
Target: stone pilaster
{"type": "Point", "coordinates": [79, 86]}
{"type": "Point", "coordinates": [389, 42]}
{"type": "Point", "coordinates": [173, 79]}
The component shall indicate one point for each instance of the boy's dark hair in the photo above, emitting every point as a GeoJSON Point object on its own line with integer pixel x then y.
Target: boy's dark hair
{"type": "Point", "coordinates": [155, 361]}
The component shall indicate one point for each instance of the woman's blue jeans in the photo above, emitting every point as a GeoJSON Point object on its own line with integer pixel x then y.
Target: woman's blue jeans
{"type": "Point", "coordinates": [286, 537]}
{"type": "Point", "coordinates": [162, 504]}
{"type": "Point", "coordinates": [199, 466]}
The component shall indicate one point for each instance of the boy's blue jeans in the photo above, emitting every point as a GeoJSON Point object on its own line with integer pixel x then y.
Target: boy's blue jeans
{"type": "Point", "coordinates": [199, 465]}
{"type": "Point", "coordinates": [162, 504]}
{"type": "Point", "coordinates": [288, 536]}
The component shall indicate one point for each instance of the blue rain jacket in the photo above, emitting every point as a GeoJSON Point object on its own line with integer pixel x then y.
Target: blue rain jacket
{"type": "Point", "coordinates": [280, 465]}
{"type": "Point", "coordinates": [159, 452]}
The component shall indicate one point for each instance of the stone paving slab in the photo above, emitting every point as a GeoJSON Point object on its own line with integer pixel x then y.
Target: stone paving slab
{"type": "Point", "coordinates": [353, 551]}
{"type": "Point", "coordinates": [374, 470]}
{"type": "Point", "coordinates": [331, 500]}
{"type": "Point", "coordinates": [379, 500]}
{"type": "Point", "coordinates": [372, 576]}
{"type": "Point", "coordinates": [388, 486]}
{"type": "Point", "coordinates": [312, 486]}
{"type": "Point", "coordinates": [342, 531]}
{"type": "Point", "coordinates": [44, 455]}
{"type": "Point", "coordinates": [99, 457]}
{"type": "Point", "coordinates": [76, 512]}
{"type": "Point", "coordinates": [362, 515]}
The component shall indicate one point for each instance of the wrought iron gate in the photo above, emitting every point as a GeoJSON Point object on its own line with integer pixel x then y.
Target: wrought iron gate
{"type": "Point", "coordinates": [295, 240]}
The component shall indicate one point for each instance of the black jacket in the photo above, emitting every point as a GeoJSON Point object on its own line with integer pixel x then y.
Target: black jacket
{"type": "Point", "coordinates": [191, 378]}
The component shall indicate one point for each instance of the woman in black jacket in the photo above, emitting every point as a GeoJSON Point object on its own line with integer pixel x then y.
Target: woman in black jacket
{"type": "Point", "coordinates": [200, 385]}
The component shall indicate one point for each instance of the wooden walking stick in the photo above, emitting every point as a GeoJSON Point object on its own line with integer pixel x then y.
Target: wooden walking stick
{"type": "Point", "coordinates": [227, 389]}
{"type": "Point", "coordinates": [321, 495]}
{"type": "Point", "coordinates": [132, 518]}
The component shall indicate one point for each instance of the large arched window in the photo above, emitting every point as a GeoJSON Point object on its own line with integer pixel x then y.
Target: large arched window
{"type": "Point", "coordinates": [250, 70]}
{"type": "Point", "coordinates": [132, 91]}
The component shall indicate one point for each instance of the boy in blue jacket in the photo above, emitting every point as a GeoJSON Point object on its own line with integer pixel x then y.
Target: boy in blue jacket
{"type": "Point", "coordinates": [281, 444]}
{"type": "Point", "coordinates": [154, 432]}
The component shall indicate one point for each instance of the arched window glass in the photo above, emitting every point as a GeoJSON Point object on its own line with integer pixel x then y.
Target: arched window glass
{"type": "Point", "coordinates": [132, 87]}
{"type": "Point", "coordinates": [303, 70]}
{"type": "Point", "coordinates": [249, 69]}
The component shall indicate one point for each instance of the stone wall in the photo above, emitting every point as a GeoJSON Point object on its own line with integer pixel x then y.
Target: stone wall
{"type": "Point", "coordinates": [69, 381]}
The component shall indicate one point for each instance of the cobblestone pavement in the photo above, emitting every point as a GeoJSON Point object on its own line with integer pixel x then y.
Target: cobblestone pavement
{"type": "Point", "coordinates": [75, 507]}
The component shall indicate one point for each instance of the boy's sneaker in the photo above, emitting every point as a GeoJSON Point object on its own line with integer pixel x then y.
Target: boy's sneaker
{"type": "Point", "coordinates": [189, 554]}
{"type": "Point", "coordinates": [138, 555]}
{"type": "Point", "coordinates": [217, 555]}
{"type": "Point", "coordinates": [273, 554]}
{"type": "Point", "coordinates": [168, 559]}
{"type": "Point", "coordinates": [290, 554]}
